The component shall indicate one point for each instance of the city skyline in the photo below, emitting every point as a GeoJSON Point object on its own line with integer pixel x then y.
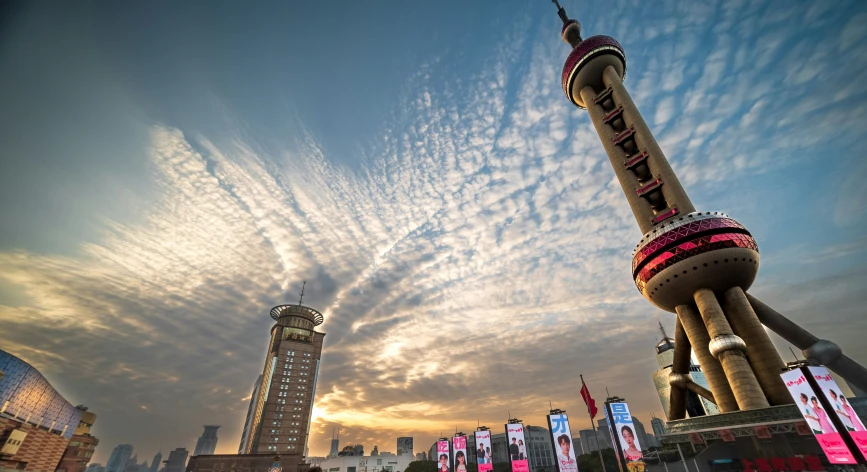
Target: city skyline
{"type": "Point", "coordinates": [177, 187]}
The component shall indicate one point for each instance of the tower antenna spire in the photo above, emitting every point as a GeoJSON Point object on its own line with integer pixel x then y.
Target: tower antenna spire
{"type": "Point", "coordinates": [571, 32]}
{"type": "Point", "coordinates": [302, 292]}
{"type": "Point", "coordinates": [662, 329]}
{"type": "Point", "coordinates": [561, 12]}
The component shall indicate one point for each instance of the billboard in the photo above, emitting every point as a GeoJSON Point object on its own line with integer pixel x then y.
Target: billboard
{"type": "Point", "coordinates": [561, 438]}
{"type": "Point", "coordinates": [404, 446]}
{"type": "Point", "coordinates": [484, 455]}
{"type": "Point", "coordinates": [817, 418]}
{"type": "Point", "coordinates": [840, 406]}
{"type": "Point", "coordinates": [443, 456]}
{"type": "Point", "coordinates": [623, 431]}
{"type": "Point", "coordinates": [459, 451]}
{"type": "Point", "coordinates": [517, 448]}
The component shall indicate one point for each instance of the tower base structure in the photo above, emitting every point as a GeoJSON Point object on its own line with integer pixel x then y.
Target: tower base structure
{"type": "Point", "coordinates": [745, 440]}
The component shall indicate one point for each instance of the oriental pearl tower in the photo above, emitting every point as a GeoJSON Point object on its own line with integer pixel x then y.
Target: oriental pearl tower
{"type": "Point", "coordinates": [698, 265]}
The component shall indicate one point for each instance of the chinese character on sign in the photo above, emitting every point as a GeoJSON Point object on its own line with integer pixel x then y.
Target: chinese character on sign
{"type": "Point", "coordinates": [619, 413]}
{"type": "Point", "coordinates": [558, 424]}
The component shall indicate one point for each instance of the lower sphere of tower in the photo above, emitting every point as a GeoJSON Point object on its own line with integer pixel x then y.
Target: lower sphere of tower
{"type": "Point", "coordinates": [698, 250]}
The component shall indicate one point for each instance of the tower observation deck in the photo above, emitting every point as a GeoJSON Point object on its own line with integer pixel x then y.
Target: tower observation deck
{"type": "Point", "coordinates": [698, 265]}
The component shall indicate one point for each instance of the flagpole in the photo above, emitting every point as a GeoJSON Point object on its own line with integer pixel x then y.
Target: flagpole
{"type": "Point", "coordinates": [593, 425]}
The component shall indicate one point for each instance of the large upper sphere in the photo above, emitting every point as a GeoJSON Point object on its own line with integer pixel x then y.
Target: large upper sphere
{"type": "Point", "coordinates": [698, 250]}
{"type": "Point", "coordinates": [586, 62]}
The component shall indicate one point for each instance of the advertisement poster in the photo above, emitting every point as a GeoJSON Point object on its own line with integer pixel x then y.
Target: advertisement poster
{"type": "Point", "coordinates": [443, 456]}
{"type": "Point", "coordinates": [459, 449]}
{"type": "Point", "coordinates": [803, 429]}
{"type": "Point", "coordinates": [726, 435]}
{"type": "Point", "coordinates": [817, 418]}
{"type": "Point", "coordinates": [483, 451]}
{"type": "Point", "coordinates": [762, 432]}
{"type": "Point", "coordinates": [840, 405]}
{"type": "Point", "coordinates": [516, 445]}
{"type": "Point", "coordinates": [561, 437]}
{"type": "Point", "coordinates": [624, 432]}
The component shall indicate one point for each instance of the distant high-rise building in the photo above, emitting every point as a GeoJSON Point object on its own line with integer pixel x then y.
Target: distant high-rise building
{"type": "Point", "coordinates": [247, 434]}
{"type": "Point", "coordinates": [577, 445]}
{"type": "Point", "coordinates": [207, 442]}
{"type": "Point", "coordinates": [177, 461]}
{"type": "Point", "coordinates": [589, 440]}
{"type": "Point", "coordinates": [95, 467]}
{"type": "Point", "coordinates": [640, 433]}
{"type": "Point", "coordinates": [155, 465]}
{"type": "Point", "coordinates": [119, 457]}
{"type": "Point", "coordinates": [375, 451]}
{"type": "Point", "coordinates": [603, 434]}
{"type": "Point", "coordinates": [133, 466]}
{"type": "Point", "coordinates": [404, 446]}
{"type": "Point", "coordinates": [658, 426]}
{"type": "Point", "coordinates": [284, 403]}
{"type": "Point", "coordinates": [539, 449]}
{"type": "Point", "coordinates": [335, 443]}
{"type": "Point", "coordinates": [696, 405]}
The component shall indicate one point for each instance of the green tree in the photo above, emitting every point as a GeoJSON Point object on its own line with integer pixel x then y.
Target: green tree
{"type": "Point", "coordinates": [590, 462]}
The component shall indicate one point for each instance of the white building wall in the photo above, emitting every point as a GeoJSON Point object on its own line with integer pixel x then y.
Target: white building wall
{"type": "Point", "coordinates": [391, 463]}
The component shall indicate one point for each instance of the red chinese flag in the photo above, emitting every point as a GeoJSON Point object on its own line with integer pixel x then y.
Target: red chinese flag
{"type": "Point", "coordinates": [588, 400]}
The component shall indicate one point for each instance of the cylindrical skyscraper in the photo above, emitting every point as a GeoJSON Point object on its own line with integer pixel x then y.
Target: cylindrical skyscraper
{"type": "Point", "coordinates": [696, 264]}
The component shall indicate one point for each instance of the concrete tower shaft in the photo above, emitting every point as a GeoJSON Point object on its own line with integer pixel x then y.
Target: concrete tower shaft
{"type": "Point", "coordinates": [652, 189]}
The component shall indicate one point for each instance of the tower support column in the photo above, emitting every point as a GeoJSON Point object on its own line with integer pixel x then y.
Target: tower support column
{"type": "Point", "coordinates": [763, 356]}
{"type": "Point", "coordinates": [679, 375]}
{"type": "Point", "coordinates": [820, 351]}
{"type": "Point", "coordinates": [729, 349]}
{"type": "Point", "coordinates": [698, 336]}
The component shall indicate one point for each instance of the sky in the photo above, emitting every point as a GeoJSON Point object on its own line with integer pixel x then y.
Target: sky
{"type": "Point", "coordinates": [170, 171]}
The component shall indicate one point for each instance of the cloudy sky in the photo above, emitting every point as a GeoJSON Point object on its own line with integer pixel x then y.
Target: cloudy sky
{"type": "Point", "coordinates": [169, 172]}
